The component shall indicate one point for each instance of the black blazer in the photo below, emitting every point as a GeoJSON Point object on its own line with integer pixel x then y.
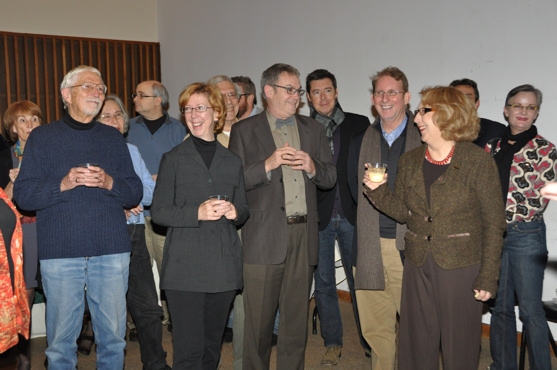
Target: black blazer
{"type": "Point", "coordinates": [326, 198]}
{"type": "Point", "coordinates": [488, 130]}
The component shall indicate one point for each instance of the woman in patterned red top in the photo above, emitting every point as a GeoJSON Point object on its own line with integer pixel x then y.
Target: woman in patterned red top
{"type": "Point", "coordinates": [19, 120]}
{"type": "Point", "coordinates": [526, 162]}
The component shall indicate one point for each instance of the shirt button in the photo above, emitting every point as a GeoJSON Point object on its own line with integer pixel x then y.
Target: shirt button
{"type": "Point", "coordinates": [429, 219]}
{"type": "Point", "coordinates": [429, 238]}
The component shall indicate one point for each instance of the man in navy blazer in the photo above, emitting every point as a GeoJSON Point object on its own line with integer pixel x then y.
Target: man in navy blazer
{"type": "Point", "coordinates": [337, 210]}
{"type": "Point", "coordinates": [286, 157]}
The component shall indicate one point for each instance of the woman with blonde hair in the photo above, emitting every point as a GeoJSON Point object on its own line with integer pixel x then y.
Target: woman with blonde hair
{"type": "Point", "coordinates": [447, 193]}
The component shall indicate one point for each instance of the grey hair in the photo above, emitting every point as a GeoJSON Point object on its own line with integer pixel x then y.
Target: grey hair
{"type": "Point", "coordinates": [160, 91]}
{"type": "Point", "coordinates": [271, 75]}
{"type": "Point", "coordinates": [221, 78]}
{"type": "Point", "coordinates": [71, 77]}
{"type": "Point", "coordinates": [117, 100]}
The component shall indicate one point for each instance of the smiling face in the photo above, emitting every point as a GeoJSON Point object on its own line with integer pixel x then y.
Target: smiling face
{"type": "Point", "coordinates": [391, 109]}
{"type": "Point", "coordinates": [111, 108]}
{"type": "Point", "coordinates": [522, 119]}
{"type": "Point", "coordinates": [323, 96]}
{"type": "Point", "coordinates": [429, 130]}
{"type": "Point", "coordinates": [23, 125]}
{"type": "Point", "coordinates": [231, 102]}
{"type": "Point", "coordinates": [201, 124]}
{"type": "Point", "coordinates": [279, 103]}
{"type": "Point", "coordinates": [84, 106]}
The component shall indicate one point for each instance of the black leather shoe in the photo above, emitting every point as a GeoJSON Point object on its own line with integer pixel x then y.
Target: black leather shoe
{"type": "Point", "coordinates": [132, 336]}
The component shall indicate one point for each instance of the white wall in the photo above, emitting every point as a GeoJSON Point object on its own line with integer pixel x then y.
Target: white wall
{"type": "Point", "coordinates": [498, 43]}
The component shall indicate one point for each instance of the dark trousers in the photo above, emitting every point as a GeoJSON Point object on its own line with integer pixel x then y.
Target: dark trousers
{"type": "Point", "coordinates": [286, 286]}
{"type": "Point", "coordinates": [198, 322]}
{"type": "Point", "coordinates": [438, 310]}
{"type": "Point", "coordinates": [143, 302]}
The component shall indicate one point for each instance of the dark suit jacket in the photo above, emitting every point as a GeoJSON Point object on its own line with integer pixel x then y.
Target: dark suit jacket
{"type": "Point", "coordinates": [488, 130]}
{"type": "Point", "coordinates": [199, 256]}
{"type": "Point", "coordinates": [326, 198]}
{"type": "Point", "coordinates": [264, 236]}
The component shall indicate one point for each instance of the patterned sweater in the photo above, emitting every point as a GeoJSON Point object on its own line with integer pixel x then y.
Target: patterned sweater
{"type": "Point", "coordinates": [533, 166]}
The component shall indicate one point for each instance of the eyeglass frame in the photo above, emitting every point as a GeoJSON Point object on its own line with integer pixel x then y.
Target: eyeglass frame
{"type": "Point", "coordinates": [118, 115]}
{"type": "Point", "coordinates": [425, 110]}
{"type": "Point", "coordinates": [141, 96]}
{"type": "Point", "coordinates": [230, 95]}
{"type": "Point", "coordinates": [91, 86]}
{"type": "Point", "coordinates": [519, 107]}
{"type": "Point", "coordinates": [184, 110]}
{"type": "Point", "coordinates": [291, 91]}
{"type": "Point", "coordinates": [380, 94]}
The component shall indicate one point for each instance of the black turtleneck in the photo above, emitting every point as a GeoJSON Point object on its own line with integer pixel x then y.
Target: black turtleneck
{"type": "Point", "coordinates": [154, 125]}
{"type": "Point", "coordinates": [71, 122]}
{"type": "Point", "coordinates": [206, 149]}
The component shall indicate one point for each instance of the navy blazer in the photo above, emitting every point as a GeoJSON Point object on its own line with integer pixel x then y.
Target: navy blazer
{"type": "Point", "coordinates": [326, 198]}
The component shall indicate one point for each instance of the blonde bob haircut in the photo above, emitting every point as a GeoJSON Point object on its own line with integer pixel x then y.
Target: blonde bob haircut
{"type": "Point", "coordinates": [213, 95]}
{"type": "Point", "coordinates": [453, 112]}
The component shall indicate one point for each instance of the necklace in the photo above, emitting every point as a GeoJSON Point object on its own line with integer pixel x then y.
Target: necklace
{"type": "Point", "coordinates": [441, 162]}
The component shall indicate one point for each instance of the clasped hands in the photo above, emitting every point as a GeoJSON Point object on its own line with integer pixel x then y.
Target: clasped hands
{"type": "Point", "coordinates": [287, 155]}
{"type": "Point", "coordinates": [91, 176]}
{"type": "Point", "coordinates": [214, 209]}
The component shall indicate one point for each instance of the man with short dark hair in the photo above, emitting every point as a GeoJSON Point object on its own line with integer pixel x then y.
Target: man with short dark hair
{"type": "Point", "coordinates": [78, 176]}
{"type": "Point", "coordinates": [286, 157]}
{"type": "Point", "coordinates": [336, 207]}
{"type": "Point", "coordinates": [380, 239]}
{"type": "Point", "coordinates": [247, 97]}
{"type": "Point", "coordinates": [488, 129]}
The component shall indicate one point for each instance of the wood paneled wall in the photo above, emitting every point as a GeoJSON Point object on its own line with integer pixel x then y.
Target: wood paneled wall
{"type": "Point", "coordinates": [32, 67]}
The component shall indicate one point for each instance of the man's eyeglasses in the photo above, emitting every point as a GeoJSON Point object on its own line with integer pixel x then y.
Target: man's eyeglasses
{"type": "Point", "coordinates": [89, 87]}
{"type": "Point", "coordinates": [380, 94]}
{"type": "Point", "coordinates": [290, 90]}
{"type": "Point", "coordinates": [230, 95]}
{"type": "Point", "coordinates": [422, 111]}
{"type": "Point", "coordinates": [141, 96]}
{"type": "Point", "coordinates": [240, 96]}
{"type": "Point", "coordinates": [108, 117]}
{"type": "Point", "coordinates": [519, 107]}
{"type": "Point", "coordinates": [198, 109]}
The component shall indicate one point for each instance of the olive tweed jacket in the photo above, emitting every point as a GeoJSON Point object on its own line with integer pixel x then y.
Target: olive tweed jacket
{"type": "Point", "coordinates": [465, 222]}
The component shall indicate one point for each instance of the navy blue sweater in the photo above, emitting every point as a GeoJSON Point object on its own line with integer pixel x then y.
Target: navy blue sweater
{"type": "Point", "coordinates": [81, 222]}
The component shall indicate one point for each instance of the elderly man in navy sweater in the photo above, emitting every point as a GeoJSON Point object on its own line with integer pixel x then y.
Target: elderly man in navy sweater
{"type": "Point", "coordinates": [78, 176]}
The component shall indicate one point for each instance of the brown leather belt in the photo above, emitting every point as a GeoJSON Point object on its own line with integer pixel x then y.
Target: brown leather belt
{"type": "Point", "coordinates": [291, 220]}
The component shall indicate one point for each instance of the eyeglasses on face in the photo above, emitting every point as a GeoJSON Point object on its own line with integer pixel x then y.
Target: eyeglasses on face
{"type": "Point", "coordinates": [240, 96]}
{"type": "Point", "coordinates": [422, 111]}
{"type": "Point", "coordinates": [518, 107]}
{"type": "Point", "coordinates": [89, 87]}
{"type": "Point", "coordinates": [198, 109]}
{"type": "Point", "coordinates": [380, 94]}
{"type": "Point", "coordinates": [230, 95]}
{"type": "Point", "coordinates": [108, 117]}
{"type": "Point", "coordinates": [291, 91]}
{"type": "Point", "coordinates": [141, 96]}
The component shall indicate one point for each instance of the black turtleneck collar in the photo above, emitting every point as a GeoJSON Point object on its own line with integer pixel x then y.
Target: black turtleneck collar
{"type": "Point", "coordinates": [206, 149]}
{"type": "Point", "coordinates": [76, 125]}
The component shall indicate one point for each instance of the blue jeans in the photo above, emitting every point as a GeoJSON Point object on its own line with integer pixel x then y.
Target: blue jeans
{"type": "Point", "coordinates": [143, 302]}
{"type": "Point", "coordinates": [64, 281]}
{"type": "Point", "coordinates": [326, 297]}
{"type": "Point", "coordinates": [523, 263]}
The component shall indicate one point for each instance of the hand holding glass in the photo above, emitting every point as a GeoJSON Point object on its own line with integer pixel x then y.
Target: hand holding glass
{"type": "Point", "coordinates": [376, 171]}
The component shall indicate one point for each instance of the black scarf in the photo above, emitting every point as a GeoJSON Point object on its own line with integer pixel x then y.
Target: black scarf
{"type": "Point", "coordinates": [504, 157]}
{"type": "Point", "coordinates": [330, 123]}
